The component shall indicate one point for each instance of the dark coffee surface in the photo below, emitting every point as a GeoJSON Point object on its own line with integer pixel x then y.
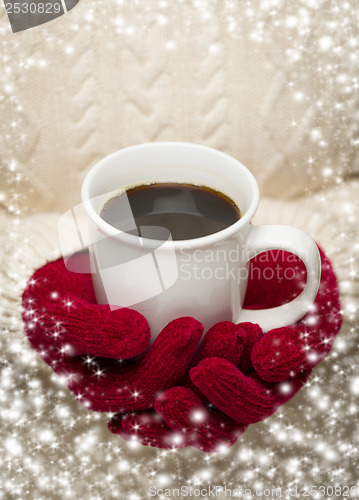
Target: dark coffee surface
{"type": "Point", "coordinates": [187, 211]}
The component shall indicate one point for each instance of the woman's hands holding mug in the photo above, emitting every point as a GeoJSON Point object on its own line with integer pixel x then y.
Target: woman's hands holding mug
{"type": "Point", "coordinates": [178, 392]}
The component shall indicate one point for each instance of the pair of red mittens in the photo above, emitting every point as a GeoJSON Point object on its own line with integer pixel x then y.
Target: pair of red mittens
{"type": "Point", "coordinates": [177, 393]}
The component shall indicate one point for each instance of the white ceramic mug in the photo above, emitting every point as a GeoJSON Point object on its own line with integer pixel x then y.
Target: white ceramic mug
{"type": "Point", "coordinates": [203, 277]}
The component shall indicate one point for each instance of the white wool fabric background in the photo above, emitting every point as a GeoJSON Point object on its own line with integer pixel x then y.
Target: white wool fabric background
{"type": "Point", "coordinates": [273, 83]}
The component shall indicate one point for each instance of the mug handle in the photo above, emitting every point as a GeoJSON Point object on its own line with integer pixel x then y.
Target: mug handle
{"type": "Point", "coordinates": [290, 239]}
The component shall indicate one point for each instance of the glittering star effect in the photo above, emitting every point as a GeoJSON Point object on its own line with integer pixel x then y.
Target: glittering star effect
{"type": "Point", "coordinates": [52, 447]}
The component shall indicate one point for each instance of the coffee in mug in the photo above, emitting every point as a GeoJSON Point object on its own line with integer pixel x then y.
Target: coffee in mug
{"type": "Point", "coordinates": [186, 210]}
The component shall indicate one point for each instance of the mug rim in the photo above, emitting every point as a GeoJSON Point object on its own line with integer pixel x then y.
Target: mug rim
{"type": "Point", "coordinates": [201, 241]}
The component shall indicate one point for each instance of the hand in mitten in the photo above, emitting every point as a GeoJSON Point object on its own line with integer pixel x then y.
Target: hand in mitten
{"type": "Point", "coordinates": [62, 318]}
{"type": "Point", "coordinates": [91, 345]}
{"type": "Point", "coordinates": [281, 360]}
{"type": "Point", "coordinates": [222, 378]}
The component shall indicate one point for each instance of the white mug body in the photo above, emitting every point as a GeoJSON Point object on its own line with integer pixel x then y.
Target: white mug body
{"type": "Point", "coordinates": [203, 277]}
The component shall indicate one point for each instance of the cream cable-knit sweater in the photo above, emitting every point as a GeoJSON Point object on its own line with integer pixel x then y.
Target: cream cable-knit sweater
{"type": "Point", "coordinates": [272, 83]}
